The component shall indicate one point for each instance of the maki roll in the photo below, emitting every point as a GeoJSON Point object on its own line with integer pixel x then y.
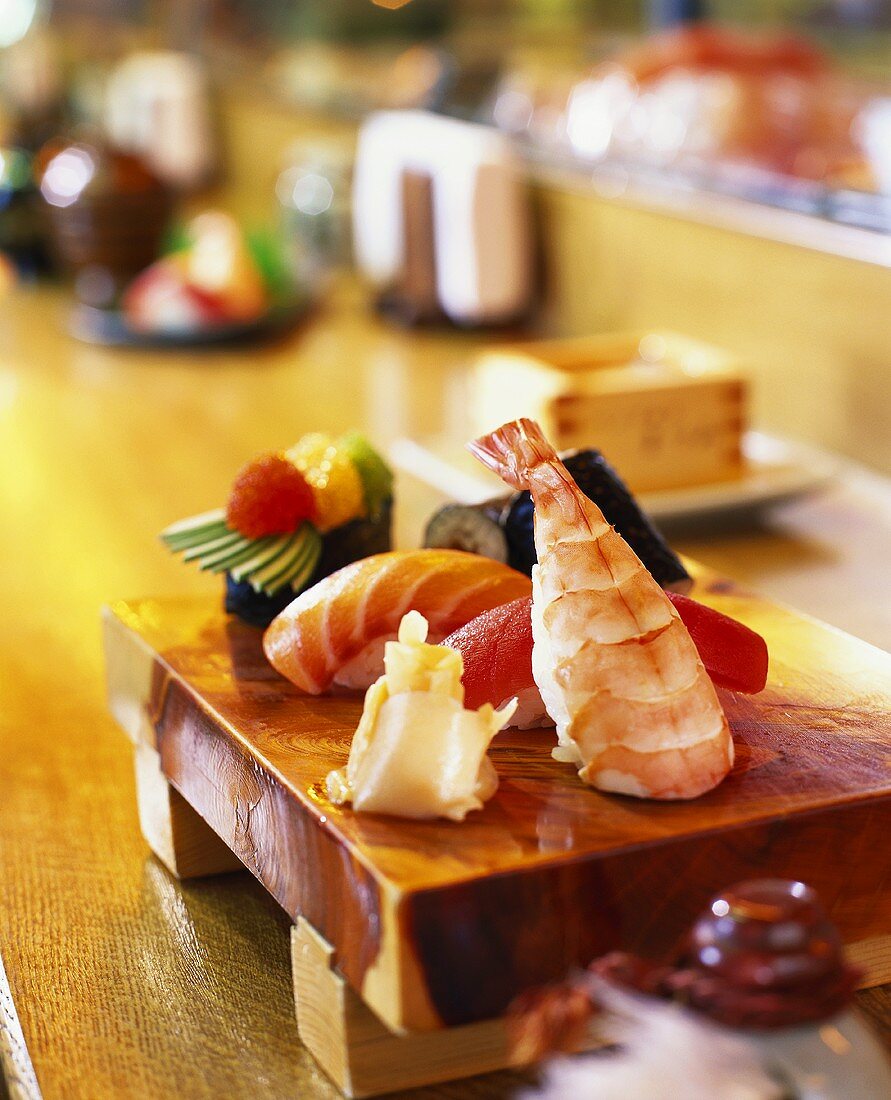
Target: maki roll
{"type": "Point", "coordinates": [474, 528]}
{"type": "Point", "coordinates": [601, 484]}
{"type": "Point", "coordinates": [502, 529]}
{"type": "Point", "coordinates": [292, 518]}
{"type": "Point", "coordinates": [359, 538]}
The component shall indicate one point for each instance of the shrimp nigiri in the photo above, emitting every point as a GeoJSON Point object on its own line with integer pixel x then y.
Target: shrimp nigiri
{"type": "Point", "coordinates": [617, 669]}
{"type": "Point", "coordinates": [496, 648]}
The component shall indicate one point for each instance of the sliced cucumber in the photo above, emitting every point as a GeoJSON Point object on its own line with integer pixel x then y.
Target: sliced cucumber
{"type": "Point", "coordinates": [299, 576]}
{"type": "Point", "coordinates": [299, 561]}
{"type": "Point", "coordinates": [239, 552]}
{"type": "Point", "coordinates": [262, 558]}
{"type": "Point", "coordinates": [273, 567]}
{"type": "Point", "coordinates": [269, 563]}
{"type": "Point", "coordinates": [212, 546]}
{"type": "Point", "coordinates": [295, 578]}
{"type": "Point", "coordinates": [187, 529]}
{"type": "Point", "coordinates": [270, 579]}
{"type": "Point", "coordinates": [186, 542]}
{"type": "Point", "coordinates": [299, 579]}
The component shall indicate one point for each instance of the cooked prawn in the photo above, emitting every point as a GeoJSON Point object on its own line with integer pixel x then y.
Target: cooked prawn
{"type": "Point", "coordinates": [617, 670]}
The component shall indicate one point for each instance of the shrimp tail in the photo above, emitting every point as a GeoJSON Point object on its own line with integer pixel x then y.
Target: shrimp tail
{"type": "Point", "coordinates": [513, 451]}
{"type": "Point", "coordinates": [521, 455]}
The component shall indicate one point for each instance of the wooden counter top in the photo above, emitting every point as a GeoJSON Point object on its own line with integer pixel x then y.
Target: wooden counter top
{"type": "Point", "coordinates": [125, 982]}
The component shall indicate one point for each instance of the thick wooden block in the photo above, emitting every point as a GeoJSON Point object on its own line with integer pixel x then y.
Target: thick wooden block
{"type": "Point", "coordinates": [667, 411]}
{"type": "Point", "coordinates": [186, 845]}
{"type": "Point", "coordinates": [439, 925]}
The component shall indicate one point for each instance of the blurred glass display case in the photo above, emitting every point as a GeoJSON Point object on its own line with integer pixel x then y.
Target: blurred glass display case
{"type": "Point", "coordinates": [784, 104]}
{"type": "Point", "coordinates": [788, 107]}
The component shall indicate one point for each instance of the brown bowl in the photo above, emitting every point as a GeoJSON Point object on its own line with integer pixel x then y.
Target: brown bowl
{"type": "Point", "coordinates": [107, 214]}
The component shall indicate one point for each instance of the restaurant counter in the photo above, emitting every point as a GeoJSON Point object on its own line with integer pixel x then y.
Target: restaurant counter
{"type": "Point", "coordinates": [125, 982]}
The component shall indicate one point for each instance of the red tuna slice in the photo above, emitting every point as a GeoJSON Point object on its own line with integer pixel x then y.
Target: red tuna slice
{"type": "Point", "coordinates": [734, 656]}
{"type": "Point", "coordinates": [497, 650]}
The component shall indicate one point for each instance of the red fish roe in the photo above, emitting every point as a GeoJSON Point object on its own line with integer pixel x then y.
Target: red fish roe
{"type": "Point", "coordinates": [269, 497]}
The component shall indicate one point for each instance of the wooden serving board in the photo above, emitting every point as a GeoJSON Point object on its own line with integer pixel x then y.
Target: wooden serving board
{"type": "Point", "coordinates": [437, 924]}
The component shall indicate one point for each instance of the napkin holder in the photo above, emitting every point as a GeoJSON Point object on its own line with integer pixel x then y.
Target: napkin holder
{"type": "Point", "coordinates": [441, 220]}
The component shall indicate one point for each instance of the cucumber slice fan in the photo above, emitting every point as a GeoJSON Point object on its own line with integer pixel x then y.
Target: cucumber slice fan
{"type": "Point", "coordinates": [268, 564]}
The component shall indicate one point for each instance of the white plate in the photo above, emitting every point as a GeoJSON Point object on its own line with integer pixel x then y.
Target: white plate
{"type": "Point", "coordinates": [776, 470]}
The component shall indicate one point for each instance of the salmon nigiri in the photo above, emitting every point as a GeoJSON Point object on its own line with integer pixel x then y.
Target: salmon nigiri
{"type": "Point", "coordinates": [335, 632]}
{"type": "Point", "coordinates": [617, 669]}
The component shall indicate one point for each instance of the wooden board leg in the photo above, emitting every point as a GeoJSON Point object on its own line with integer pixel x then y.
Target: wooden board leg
{"type": "Point", "coordinates": [358, 1052]}
{"type": "Point", "coordinates": [873, 956]}
{"type": "Point", "coordinates": [183, 841]}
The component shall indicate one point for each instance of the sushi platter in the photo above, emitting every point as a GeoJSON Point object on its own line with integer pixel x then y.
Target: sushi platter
{"type": "Point", "coordinates": [435, 925]}
{"type": "Point", "coordinates": [469, 770]}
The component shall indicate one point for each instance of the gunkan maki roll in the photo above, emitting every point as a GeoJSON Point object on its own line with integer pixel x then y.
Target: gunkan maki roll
{"type": "Point", "coordinates": [292, 518]}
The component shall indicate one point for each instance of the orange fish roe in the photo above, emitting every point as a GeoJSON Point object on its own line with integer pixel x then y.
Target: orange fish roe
{"type": "Point", "coordinates": [269, 497]}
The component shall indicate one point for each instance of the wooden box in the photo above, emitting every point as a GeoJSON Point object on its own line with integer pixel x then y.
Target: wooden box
{"type": "Point", "coordinates": [667, 411]}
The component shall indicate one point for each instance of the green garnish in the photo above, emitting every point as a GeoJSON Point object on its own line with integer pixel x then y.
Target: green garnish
{"type": "Point", "coordinates": [375, 475]}
{"type": "Point", "coordinates": [268, 564]}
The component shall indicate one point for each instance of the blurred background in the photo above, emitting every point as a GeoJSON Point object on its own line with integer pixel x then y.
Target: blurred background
{"type": "Point", "coordinates": [722, 169]}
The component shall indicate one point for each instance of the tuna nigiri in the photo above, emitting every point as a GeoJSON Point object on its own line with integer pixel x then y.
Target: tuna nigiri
{"type": "Point", "coordinates": [734, 655]}
{"type": "Point", "coordinates": [335, 631]}
{"type": "Point", "coordinates": [497, 650]}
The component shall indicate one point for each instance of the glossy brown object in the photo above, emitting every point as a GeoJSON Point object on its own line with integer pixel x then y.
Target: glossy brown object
{"type": "Point", "coordinates": [413, 299]}
{"type": "Point", "coordinates": [107, 213]}
{"type": "Point", "coordinates": [441, 924]}
{"type": "Point", "coordinates": [766, 955]}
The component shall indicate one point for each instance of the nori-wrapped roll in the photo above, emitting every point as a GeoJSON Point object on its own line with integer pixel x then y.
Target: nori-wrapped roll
{"type": "Point", "coordinates": [601, 484]}
{"type": "Point", "coordinates": [360, 538]}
